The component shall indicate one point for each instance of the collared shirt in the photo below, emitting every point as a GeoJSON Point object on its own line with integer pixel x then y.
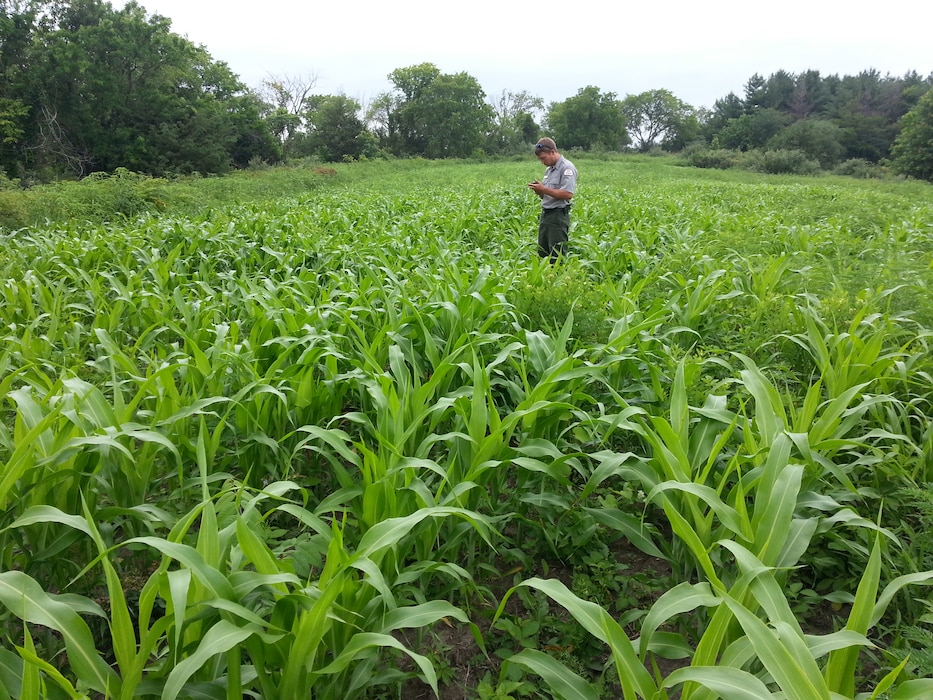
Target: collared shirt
{"type": "Point", "coordinates": [560, 176]}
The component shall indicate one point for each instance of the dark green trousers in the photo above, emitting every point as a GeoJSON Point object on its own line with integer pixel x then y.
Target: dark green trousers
{"type": "Point", "coordinates": [552, 232]}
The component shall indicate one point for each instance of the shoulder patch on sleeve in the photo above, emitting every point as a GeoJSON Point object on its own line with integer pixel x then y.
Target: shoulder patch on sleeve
{"type": "Point", "coordinates": [568, 171]}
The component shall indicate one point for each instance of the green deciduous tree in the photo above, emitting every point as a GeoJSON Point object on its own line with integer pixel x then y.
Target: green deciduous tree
{"type": "Point", "coordinates": [17, 23]}
{"type": "Point", "coordinates": [456, 105]}
{"type": "Point", "coordinates": [434, 114]}
{"type": "Point", "coordinates": [112, 88]}
{"type": "Point", "coordinates": [752, 130]}
{"type": "Point", "coordinates": [589, 119]}
{"type": "Point", "coordinates": [865, 135]}
{"type": "Point", "coordinates": [12, 113]}
{"type": "Point", "coordinates": [656, 117]}
{"type": "Point", "coordinates": [514, 122]}
{"type": "Point", "coordinates": [285, 97]}
{"type": "Point", "coordinates": [335, 130]}
{"type": "Point", "coordinates": [913, 149]}
{"type": "Point", "coordinates": [253, 138]}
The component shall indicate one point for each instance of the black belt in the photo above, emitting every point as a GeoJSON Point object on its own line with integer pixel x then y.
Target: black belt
{"type": "Point", "coordinates": [567, 208]}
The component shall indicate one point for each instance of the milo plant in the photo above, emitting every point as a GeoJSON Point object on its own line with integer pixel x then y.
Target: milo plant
{"type": "Point", "coordinates": [855, 356]}
{"type": "Point", "coordinates": [693, 301]}
{"type": "Point", "coordinates": [751, 647]}
{"type": "Point", "coordinates": [236, 618]}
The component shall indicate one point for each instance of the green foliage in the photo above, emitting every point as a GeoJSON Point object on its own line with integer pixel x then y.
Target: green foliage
{"type": "Point", "coordinates": [859, 168]}
{"type": "Point", "coordinates": [781, 161]}
{"type": "Point", "coordinates": [554, 294]}
{"type": "Point", "coordinates": [817, 138]}
{"type": "Point", "coordinates": [337, 134]}
{"type": "Point", "coordinates": [115, 88]}
{"type": "Point", "coordinates": [436, 115]}
{"type": "Point", "coordinates": [750, 131]}
{"type": "Point", "coordinates": [12, 114]}
{"type": "Point", "coordinates": [703, 157]}
{"type": "Point", "coordinates": [912, 153]}
{"type": "Point", "coordinates": [101, 197]}
{"type": "Point", "coordinates": [771, 161]}
{"type": "Point", "coordinates": [657, 118]}
{"type": "Point", "coordinates": [724, 109]}
{"type": "Point", "coordinates": [306, 442]}
{"type": "Point", "coordinates": [515, 126]}
{"type": "Point", "coordinates": [588, 120]}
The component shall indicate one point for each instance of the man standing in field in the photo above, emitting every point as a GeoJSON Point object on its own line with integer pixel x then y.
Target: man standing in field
{"type": "Point", "coordinates": [556, 191]}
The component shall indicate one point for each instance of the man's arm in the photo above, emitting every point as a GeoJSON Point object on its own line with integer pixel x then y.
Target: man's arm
{"type": "Point", "coordinates": [540, 190]}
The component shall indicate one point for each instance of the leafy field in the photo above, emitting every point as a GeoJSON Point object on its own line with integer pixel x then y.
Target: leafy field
{"type": "Point", "coordinates": [357, 441]}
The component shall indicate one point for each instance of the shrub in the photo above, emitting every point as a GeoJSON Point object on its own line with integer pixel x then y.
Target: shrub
{"type": "Point", "coordinates": [13, 210]}
{"type": "Point", "coordinates": [818, 138]}
{"type": "Point", "coordinates": [860, 168]}
{"type": "Point", "coordinates": [702, 157]}
{"type": "Point", "coordinates": [551, 293]}
{"type": "Point", "coordinates": [98, 197]}
{"type": "Point", "coordinates": [6, 183]}
{"type": "Point", "coordinates": [782, 162]}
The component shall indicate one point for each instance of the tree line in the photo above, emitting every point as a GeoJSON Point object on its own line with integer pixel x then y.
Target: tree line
{"type": "Point", "coordinates": [87, 88]}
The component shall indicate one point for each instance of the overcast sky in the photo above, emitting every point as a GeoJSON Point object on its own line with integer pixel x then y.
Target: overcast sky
{"type": "Point", "coordinates": [700, 50]}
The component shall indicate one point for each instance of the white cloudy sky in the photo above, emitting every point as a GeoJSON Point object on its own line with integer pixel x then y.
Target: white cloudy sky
{"type": "Point", "coordinates": [700, 50]}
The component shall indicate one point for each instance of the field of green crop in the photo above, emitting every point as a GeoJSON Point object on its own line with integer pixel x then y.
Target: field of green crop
{"type": "Point", "coordinates": [356, 441]}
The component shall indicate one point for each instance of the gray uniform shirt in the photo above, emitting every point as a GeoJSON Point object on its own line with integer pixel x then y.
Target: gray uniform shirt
{"type": "Point", "coordinates": [560, 176]}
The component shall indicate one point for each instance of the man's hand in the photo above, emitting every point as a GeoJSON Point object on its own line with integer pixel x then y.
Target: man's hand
{"type": "Point", "coordinates": [537, 187]}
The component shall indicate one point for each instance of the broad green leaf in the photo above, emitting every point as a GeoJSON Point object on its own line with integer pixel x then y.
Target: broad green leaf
{"type": "Point", "coordinates": [220, 638]}
{"type": "Point", "coordinates": [11, 673]}
{"type": "Point", "coordinates": [840, 670]}
{"type": "Point", "coordinates": [21, 459]}
{"type": "Point", "coordinates": [210, 577]}
{"type": "Point", "coordinates": [389, 532]}
{"type": "Point", "coordinates": [417, 616]}
{"type": "Point", "coordinates": [770, 415]}
{"type": "Point", "coordinates": [365, 643]}
{"type": "Point", "coordinates": [179, 585]}
{"type": "Point", "coordinates": [306, 517]}
{"type": "Point", "coordinates": [917, 689]}
{"type": "Point", "coordinates": [257, 552]}
{"type": "Point", "coordinates": [38, 671]}
{"type": "Point", "coordinates": [309, 630]}
{"type": "Point", "coordinates": [633, 529]}
{"type": "Point", "coordinates": [635, 679]}
{"type": "Point", "coordinates": [50, 514]}
{"type": "Point", "coordinates": [725, 682]}
{"type": "Point", "coordinates": [824, 644]}
{"type": "Point", "coordinates": [25, 598]}
{"type": "Point", "coordinates": [682, 598]}
{"type": "Point", "coordinates": [561, 681]}
{"type": "Point", "coordinates": [789, 668]}
{"type": "Point", "coordinates": [887, 595]}
{"type": "Point", "coordinates": [727, 515]}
